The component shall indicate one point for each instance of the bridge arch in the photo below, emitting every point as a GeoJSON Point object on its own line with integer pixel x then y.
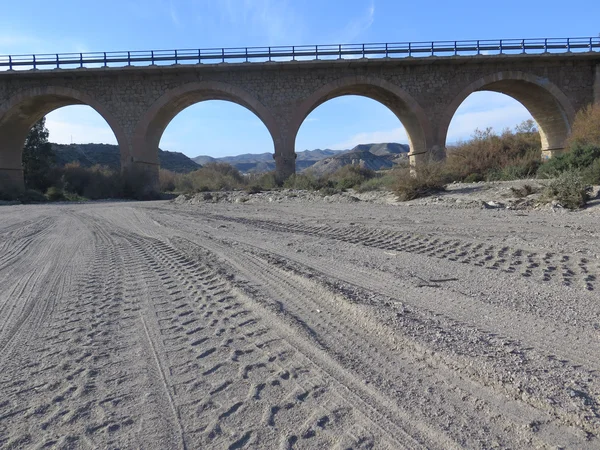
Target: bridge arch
{"type": "Point", "coordinates": [403, 105]}
{"type": "Point", "coordinates": [24, 109]}
{"type": "Point", "coordinates": [149, 130]}
{"type": "Point", "coordinates": [547, 104]}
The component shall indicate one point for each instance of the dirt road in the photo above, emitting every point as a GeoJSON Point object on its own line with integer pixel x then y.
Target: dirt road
{"type": "Point", "coordinates": [291, 326]}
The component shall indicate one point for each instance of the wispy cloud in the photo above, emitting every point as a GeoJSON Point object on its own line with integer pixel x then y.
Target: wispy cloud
{"type": "Point", "coordinates": [358, 26]}
{"type": "Point", "coordinates": [174, 15]}
{"type": "Point", "coordinates": [275, 21]}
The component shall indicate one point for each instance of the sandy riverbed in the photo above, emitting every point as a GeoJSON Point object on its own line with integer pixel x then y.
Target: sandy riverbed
{"type": "Point", "coordinates": [299, 324]}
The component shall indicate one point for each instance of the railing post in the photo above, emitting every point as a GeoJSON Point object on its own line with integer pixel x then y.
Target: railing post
{"type": "Point", "coordinates": [568, 45]}
{"type": "Point", "coordinates": [316, 52]}
{"type": "Point", "coordinates": [293, 53]}
{"type": "Point", "coordinates": [523, 45]}
{"type": "Point", "coordinates": [152, 56]}
{"type": "Point", "coordinates": [246, 54]}
{"type": "Point", "coordinates": [269, 53]}
{"type": "Point", "coordinates": [478, 49]}
{"type": "Point", "coordinates": [432, 49]}
{"type": "Point", "coordinates": [10, 63]}
{"type": "Point", "coordinates": [363, 50]}
{"type": "Point", "coordinates": [128, 58]}
{"type": "Point", "coordinates": [34, 63]}
{"type": "Point", "coordinates": [57, 63]}
{"type": "Point", "coordinates": [222, 55]}
{"type": "Point", "coordinates": [340, 51]}
{"type": "Point", "coordinates": [105, 63]}
{"type": "Point", "coordinates": [500, 46]}
{"type": "Point", "coordinates": [81, 60]}
{"type": "Point", "coordinates": [545, 45]}
{"type": "Point", "coordinates": [591, 48]}
{"type": "Point", "coordinates": [386, 51]}
{"type": "Point", "coordinates": [409, 49]}
{"type": "Point", "coordinates": [455, 49]}
{"type": "Point", "coordinates": [199, 56]}
{"type": "Point", "coordinates": [176, 58]}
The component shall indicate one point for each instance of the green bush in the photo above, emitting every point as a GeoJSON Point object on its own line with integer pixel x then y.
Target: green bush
{"type": "Point", "coordinates": [55, 194]}
{"type": "Point", "coordinates": [349, 176]}
{"type": "Point", "coordinates": [379, 183]}
{"type": "Point", "coordinates": [266, 181]}
{"type": "Point", "coordinates": [591, 174]}
{"type": "Point", "coordinates": [569, 189]}
{"type": "Point", "coordinates": [579, 157]}
{"type": "Point", "coordinates": [305, 181]}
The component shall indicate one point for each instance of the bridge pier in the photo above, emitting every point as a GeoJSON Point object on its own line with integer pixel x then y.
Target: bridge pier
{"type": "Point", "coordinates": [597, 85]}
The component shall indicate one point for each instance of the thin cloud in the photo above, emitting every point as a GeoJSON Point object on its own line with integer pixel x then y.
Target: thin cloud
{"type": "Point", "coordinates": [275, 21]}
{"type": "Point", "coordinates": [356, 27]}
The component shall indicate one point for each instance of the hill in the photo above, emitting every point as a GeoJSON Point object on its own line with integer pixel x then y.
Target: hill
{"type": "Point", "coordinates": [108, 155]}
{"type": "Point", "coordinates": [357, 156]}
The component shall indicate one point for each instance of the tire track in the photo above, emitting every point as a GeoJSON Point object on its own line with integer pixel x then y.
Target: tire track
{"type": "Point", "coordinates": [303, 299]}
{"type": "Point", "coordinates": [547, 266]}
{"type": "Point", "coordinates": [273, 376]}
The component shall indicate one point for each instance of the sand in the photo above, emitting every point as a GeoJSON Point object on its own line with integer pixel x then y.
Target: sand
{"type": "Point", "coordinates": [301, 324]}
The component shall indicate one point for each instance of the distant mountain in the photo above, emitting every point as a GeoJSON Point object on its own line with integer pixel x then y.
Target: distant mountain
{"type": "Point", "coordinates": [390, 148]}
{"type": "Point", "coordinates": [203, 160]}
{"type": "Point", "coordinates": [108, 155]}
{"type": "Point", "coordinates": [358, 156]}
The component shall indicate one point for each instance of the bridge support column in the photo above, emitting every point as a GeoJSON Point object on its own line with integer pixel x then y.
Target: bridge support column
{"type": "Point", "coordinates": [285, 165]}
{"type": "Point", "coordinates": [142, 178]}
{"type": "Point", "coordinates": [597, 85]}
{"type": "Point", "coordinates": [11, 168]}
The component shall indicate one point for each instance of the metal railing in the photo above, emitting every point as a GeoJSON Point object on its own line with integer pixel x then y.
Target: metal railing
{"type": "Point", "coordinates": [300, 53]}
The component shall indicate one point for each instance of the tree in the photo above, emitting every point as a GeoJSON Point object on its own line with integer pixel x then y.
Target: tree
{"type": "Point", "coordinates": [38, 157]}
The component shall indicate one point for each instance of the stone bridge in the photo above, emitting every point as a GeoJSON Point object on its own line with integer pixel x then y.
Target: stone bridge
{"type": "Point", "coordinates": [424, 93]}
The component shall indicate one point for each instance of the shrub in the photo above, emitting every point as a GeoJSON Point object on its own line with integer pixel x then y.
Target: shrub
{"type": "Point", "coordinates": [266, 181]}
{"type": "Point", "coordinates": [349, 176]}
{"type": "Point", "coordinates": [304, 181]}
{"type": "Point", "coordinates": [55, 194]}
{"type": "Point", "coordinates": [511, 155]}
{"type": "Point", "coordinates": [579, 157]}
{"type": "Point", "coordinates": [428, 179]}
{"type": "Point", "coordinates": [591, 174]}
{"type": "Point", "coordinates": [569, 189]}
{"type": "Point", "coordinates": [31, 196]}
{"type": "Point", "coordinates": [586, 127]}
{"type": "Point", "coordinates": [166, 180]}
{"type": "Point", "coordinates": [380, 182]}
{"type": "Point", "coordinates": [523, 191]}
{"type": "Point", "coordinates": [211, 177]}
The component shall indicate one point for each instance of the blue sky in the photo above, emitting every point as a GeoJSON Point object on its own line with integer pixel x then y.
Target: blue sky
{"type": "Point", "coordinates": [73, 25]}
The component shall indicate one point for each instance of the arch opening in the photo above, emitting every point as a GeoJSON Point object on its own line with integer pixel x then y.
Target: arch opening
{"type": "Point", "coordinates": [153, 125]}
{"type": "Point", "coordinates": [19, 115]}
{"type": "Point", "coordinates": [221, 130]}
{"type": "Point", "coordinates": [546, 104]}
{"type": "Point", "coordinates": [400, 103]}
{"type": "Point", "coordinates": [373, 133]}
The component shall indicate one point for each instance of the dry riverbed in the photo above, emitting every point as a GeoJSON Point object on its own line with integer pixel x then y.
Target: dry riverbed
{"type": "Point", "coordinates": [294, 323]}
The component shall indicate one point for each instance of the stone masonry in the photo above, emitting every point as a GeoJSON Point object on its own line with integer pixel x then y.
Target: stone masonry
{"type": "Point", "coordinates": [139, 102]}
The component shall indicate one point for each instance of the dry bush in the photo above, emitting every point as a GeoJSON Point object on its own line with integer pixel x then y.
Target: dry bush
{"type": "Point", "coordinates": [167, 180]}
{"type": "Point", "coordinates": [586, 127]}
{"type": "Point", "coordinates": [211, 177]}
{"type": "Point", "coordinates": [427, 179]}
{"type": "Point", "coordinates": [488, 156]}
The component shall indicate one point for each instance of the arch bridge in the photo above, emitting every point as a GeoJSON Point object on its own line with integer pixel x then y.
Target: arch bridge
{"type": "Point", "coordinates": [423, 84]}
